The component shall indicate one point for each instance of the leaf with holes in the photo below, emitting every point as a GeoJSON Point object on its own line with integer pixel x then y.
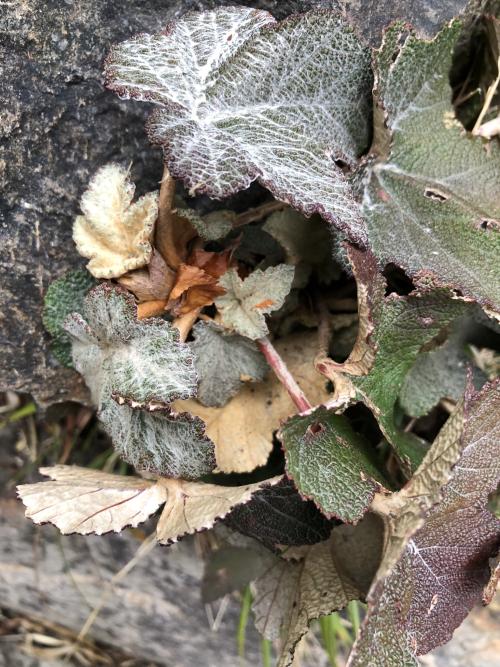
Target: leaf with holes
{"type": "Point", "coordinates": [113, 232]}
{"type": "Point", "coordinates": [241, 97]}
{"type": "Point", "coordinates": [224, 362]}
{"type": "Point", "coordinates": [438, 557]}
{"type": "Point", "coordinates": [246, 301]}
{"type": "Point", "coordinates": [392, 331]}
{"type": "Point", "coordinates": [431, 201]}
{"type": "Point", "coordinates": [331, 464]}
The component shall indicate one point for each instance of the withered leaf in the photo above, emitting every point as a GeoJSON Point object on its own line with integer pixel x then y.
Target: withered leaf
{"type": "Point", "coordinates": [113, 232]}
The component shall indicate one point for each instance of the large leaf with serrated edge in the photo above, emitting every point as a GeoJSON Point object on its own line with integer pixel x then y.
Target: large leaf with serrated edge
{"type": "Point", "coordinates": [431, 201]}
{"type": "Point", "coordinates": [331, 464]}
{"type": "Point", "coordinates": [241, 97]}
{"type": "Point", "coordinates": [435, 569]}
{"type": "Point", "coordinates": [158, 440]}
{"type": "Point", "coordinates": [118, 355]}
{"type": "Point", "coordinates": [392, 331]}
{"type": "Point", "coordinates": [79, 500]}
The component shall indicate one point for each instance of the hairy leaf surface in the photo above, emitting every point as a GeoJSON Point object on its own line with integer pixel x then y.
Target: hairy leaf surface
{"type": "Point", "coordinates": [246, 301]}
{"type": "Point", "coordinates": [224, 362]}
{"type": "Point", "coordinates": [420, 596]}
{"type": "Point", "coordinates": [241, 97]}
{"type": "Point", "coordinates": [432, 202]}
{"type": "Point", "coordinates": [158, 440]}
{"type": "Point", "coordinates": [113, 232]}
{"type": "Point", "coordinates": [331, 464]}
{"type": "Point", "coordinates": [118, 355]}
{"type": "Point", "coordinates": [64, 296]}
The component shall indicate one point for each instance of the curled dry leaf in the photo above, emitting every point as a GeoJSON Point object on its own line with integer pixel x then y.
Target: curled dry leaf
{"type": "Point", "coordinates": [152, 283]}
{"type": "Point", "coordinates": [113, 232]}
{"type": "Point", "coordinates": [243, 429]}
{"type": "Point", "coordinates": [79, 500]}
{"type": "Point", "coordinates": [197, 281]}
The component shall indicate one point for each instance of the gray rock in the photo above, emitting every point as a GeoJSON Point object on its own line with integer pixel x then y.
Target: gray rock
{"type": "Point", "coordinates": [58, 125]}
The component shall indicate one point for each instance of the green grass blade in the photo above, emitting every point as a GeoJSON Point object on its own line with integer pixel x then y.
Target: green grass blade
{"type": "Point", "coordinates": [246, 603]}
{"type": "Point", "coordinates": [266, 650]}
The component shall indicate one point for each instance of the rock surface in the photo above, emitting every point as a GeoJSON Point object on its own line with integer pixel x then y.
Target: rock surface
{"type": "Point", "coordinates": [58, 125]}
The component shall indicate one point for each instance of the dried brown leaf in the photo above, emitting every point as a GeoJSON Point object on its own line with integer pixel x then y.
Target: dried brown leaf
{"type": "Point", "coordinates": [243, 429]}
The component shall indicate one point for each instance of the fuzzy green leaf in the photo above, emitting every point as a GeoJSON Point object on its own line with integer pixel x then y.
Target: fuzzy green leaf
{"type": "Point", "coordinates": [247, 301]}
{"type": "Point", "coordinates": [224, 362]}
{"type": "Point", "coordinates": [425, 588]}
{"type": "Point", "coordinates": [241, 97]}
{"type": "Point", "coordinates": [331, 464]}
{"type": "Point", "coordinates": [159, 441]}
{"type": "Point", "coordinates": [118, 355]}
{"type": "Point", "coordinates": [432, 201]}
{"type": "Point", "coordinates": [210, 227]}
{"type": "Point", "coordinates": [133, 368]}
{"type": "Point", "coordinates": [64, 296]}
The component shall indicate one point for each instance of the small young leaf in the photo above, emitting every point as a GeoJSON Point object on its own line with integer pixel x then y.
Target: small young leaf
{"type": "Point", "coordinates": [85, 501]}
{"type": "Point", "coordinates": [331, 464]}
{"type": "Point", "coordinates": [241, 97]}
{"type": "Point", "coordinates": [114, 233]}
{"type": "Point", "coordinates": [118, 355]}
{"type": "Point", "coordinates": [277, 515]}
{"type": "Point", "coordinates": [224, 362]}
{"type": "Point", "coordinates": [392, 331]}
{"type": "Point", "coordinates": [64, 296]}
{"type": "Point", "coordinates": [81, 500]}
{"type": "Point", "coordinates": [437, 560]}
{"type": "Point", "coordinates": [159, 440]}
{"type": "Point", "coordinates": [431, 200]}
{"type": "Point", "coordinates": [243, 429]}
{"type": "Point", "coordinates": [246, 302]}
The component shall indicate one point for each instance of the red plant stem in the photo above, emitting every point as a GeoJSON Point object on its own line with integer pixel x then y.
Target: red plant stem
{"type": "Point", "coordinates": [283, 374]}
